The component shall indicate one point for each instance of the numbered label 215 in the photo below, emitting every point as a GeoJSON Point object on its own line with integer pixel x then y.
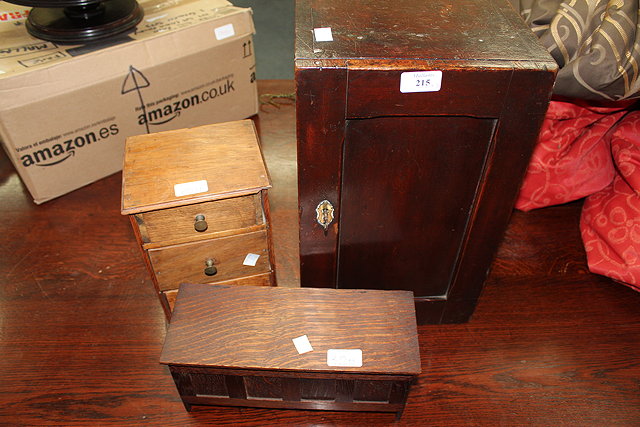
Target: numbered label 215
{"type": "Point", "coordinates": [420, 81]}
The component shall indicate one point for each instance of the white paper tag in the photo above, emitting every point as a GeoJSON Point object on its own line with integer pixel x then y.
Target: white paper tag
{"type": "Point", "coordinates": [420, 81]}
{"type": "Point", "coordinates": [323, 34]}
{"type": "Point", "coordinates": [344, 358]}
{"type": "Point", "coordinates": [188, 188]}
{"type": "Point", "coordinates": [251, 260]}
{"type": "Point", "coordinates": [155, 18]}
{"type": "Point", "coordinates": [302, 344]}
{"type": "Point", "coordinates": [224, 32]}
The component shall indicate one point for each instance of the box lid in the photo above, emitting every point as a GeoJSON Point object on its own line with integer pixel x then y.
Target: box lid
{"type": "Point", "coordinates": [253, 327]}
{"type": "Point", "coordinates": [176, 168]}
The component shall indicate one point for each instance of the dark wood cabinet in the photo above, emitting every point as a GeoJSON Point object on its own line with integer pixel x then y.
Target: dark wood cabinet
{"type": "Point", "coordinates": [415, 123]}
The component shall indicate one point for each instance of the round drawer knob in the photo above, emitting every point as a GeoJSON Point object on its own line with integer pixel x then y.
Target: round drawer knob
{"type": "Point", "coordinates": [200, 224]}
{"type": "Point", "coordinates": [210, 269]}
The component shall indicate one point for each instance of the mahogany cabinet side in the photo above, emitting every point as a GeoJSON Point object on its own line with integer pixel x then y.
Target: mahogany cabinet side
{"type": "Point", "coordinates": [520, 120]}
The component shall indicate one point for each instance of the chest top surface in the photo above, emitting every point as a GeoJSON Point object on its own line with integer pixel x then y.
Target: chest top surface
{"type": "Point", "coordinates": [253, 328]}
{"type": "Point", "coordinates": [415, 30]}
{"type": "Point", "coordinates": [181, 167]}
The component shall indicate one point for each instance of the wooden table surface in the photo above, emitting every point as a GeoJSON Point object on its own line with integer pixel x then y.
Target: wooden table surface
{"type": "Point", "coordinates": [81, 330]}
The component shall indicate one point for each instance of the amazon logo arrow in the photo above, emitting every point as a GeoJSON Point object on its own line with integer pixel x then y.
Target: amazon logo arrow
{"type": "Point", "coordinates": [70, 154]}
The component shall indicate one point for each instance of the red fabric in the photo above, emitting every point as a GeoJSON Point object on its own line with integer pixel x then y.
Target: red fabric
{"type": "Point", "coordinates": [610, 221]}
{"type": "Point", "coordinates": [570, 160]}
{"type": "Point", "coordinates": [593, 152]}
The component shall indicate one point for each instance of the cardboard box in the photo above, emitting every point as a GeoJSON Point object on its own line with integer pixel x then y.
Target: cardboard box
{"type": "Point", "coordinates": [65, 111]}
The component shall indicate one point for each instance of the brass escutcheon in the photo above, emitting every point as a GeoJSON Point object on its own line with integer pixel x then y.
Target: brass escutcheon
{"type": "Point", "coordinates": [324, 214]}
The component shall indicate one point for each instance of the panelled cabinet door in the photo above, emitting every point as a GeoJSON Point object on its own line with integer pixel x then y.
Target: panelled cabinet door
{"type": "Point", "coordinates": [406, 199]}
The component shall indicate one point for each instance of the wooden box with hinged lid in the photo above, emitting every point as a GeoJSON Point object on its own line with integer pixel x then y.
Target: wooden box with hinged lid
{"type": "Point", "coordinates": [296, 348]}
{"type": "Point", "coordinates": [197, 200]}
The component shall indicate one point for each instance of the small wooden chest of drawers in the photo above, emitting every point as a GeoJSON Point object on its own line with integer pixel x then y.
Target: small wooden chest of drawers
{"type": "Point", "coordinates": [233, 346]}
{"type": "Point", "coordinates": [197, 200]}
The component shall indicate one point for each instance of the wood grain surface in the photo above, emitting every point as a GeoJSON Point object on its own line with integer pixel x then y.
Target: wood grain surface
{"type": "Point", "coordinates": [177, 225]}
{"type": "Point", "coordinates": [484, 30]}
{"type": "Point", "coordinates": [81, 329]}
{"type": "Point", "coordinates": [186, 263]}
{"type": "Point", "coordinates": [253, 327]}
{"type": "Point", "coordinates": [264, 279]}
{"type": "Point", "coordinates": [225, 155]}
{"type": "Point", "coordinates": [390, 219]}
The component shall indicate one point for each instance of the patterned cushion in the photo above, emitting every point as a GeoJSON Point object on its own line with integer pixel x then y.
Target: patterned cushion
{"type": "Point", "coordinates": [571, 159]}
{"type": "Point", "coordinates": [596, 44]}
{"type": "Point", "coordinates": [610, 221]}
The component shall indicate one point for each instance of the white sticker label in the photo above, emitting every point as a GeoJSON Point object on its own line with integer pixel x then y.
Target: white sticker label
{"type": "Point", "coordinates": [323, 34]}
{"type": "Point", "coordinates": [225, 32]}
{"type": "Point", "coordinates": [188, 188]}
{"type": "Point", "coordinates": [302, 344]}
{"type": "Point", "coordinates": [344, 358]}
{"type": "Point", "coordinates": [420, 81]}
{"type": "Point", "coordinates": [155, 18]}
{"type": "Point", "coordinates": [251, 260]}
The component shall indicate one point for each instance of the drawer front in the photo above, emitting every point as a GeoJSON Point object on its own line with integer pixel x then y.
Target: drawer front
{"type": "Point", "coordinates": [186, 263]}
{"type": "Point", "coordinates": [264, 279]}
{"type": "Point", "coordinates": [218, 216]}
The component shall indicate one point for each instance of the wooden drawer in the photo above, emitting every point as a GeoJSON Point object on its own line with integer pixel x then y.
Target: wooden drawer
{"type": "Point", "coordinates": [265, 279]}
{"type": "Point", "coordinates": [184, 263]}
{"type": "Point", "coordinates": [221, 216]}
